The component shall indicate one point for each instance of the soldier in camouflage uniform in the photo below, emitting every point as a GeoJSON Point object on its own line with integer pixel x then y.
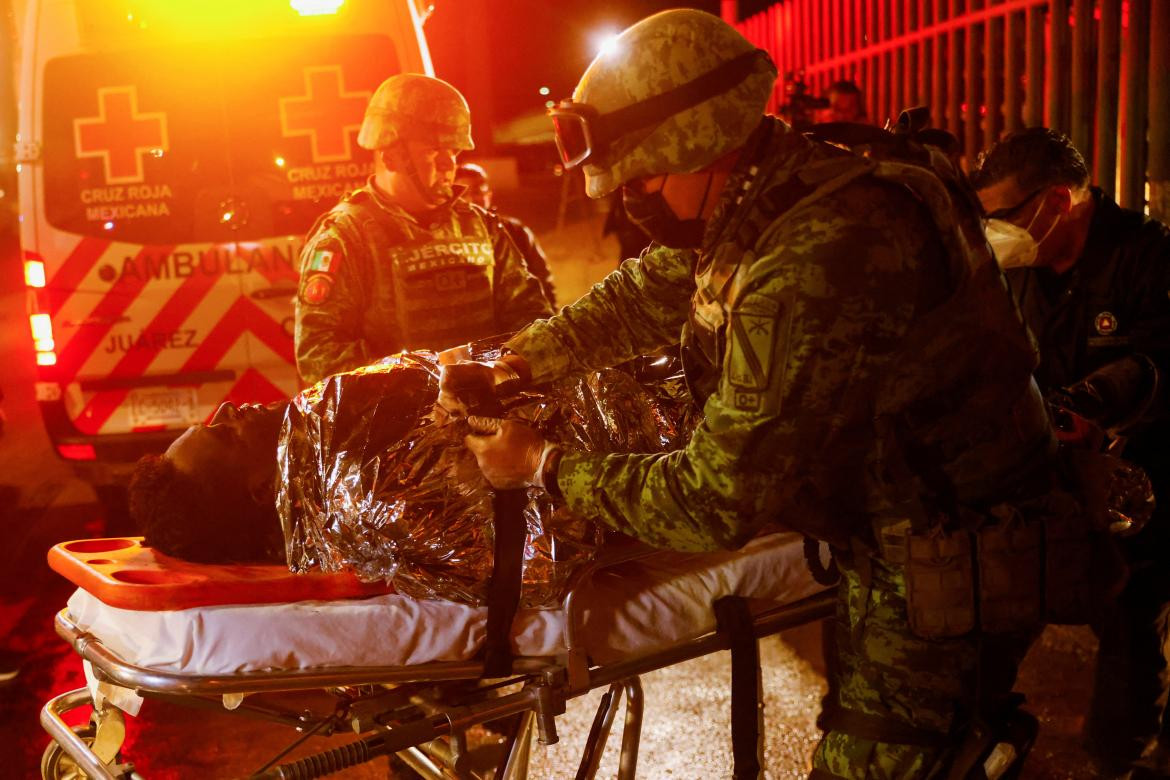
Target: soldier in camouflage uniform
{"type": "Point", "coordinates": [401, 263]}
{"type": "Point", "coordinates": [859, 363]}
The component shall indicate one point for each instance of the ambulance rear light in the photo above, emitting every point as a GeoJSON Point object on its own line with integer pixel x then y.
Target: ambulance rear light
{"type": "Point", "coordinates": [42, 327]}
{"type": "Point", "coordinates": [316, 7]}
{"type": "Point", "coordinates": [76, 451]}
{"type": "Point", "coordinates": [34, 273]}
{"type": "Point", "coordinates": [42, 333]}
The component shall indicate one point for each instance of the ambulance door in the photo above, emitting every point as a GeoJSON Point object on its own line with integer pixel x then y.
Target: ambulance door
{"type": "Point", "coordinates": [138, 251]}
{"type": "Point", "coordinates": [293, 154]}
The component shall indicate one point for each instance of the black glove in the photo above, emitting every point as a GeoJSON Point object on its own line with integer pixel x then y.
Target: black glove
{"type": "Point", "coordinates": [1116, 395]}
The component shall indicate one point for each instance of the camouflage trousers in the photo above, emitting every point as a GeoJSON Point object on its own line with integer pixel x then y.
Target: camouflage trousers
{"type": "Point", "coordinates": [878, 668]}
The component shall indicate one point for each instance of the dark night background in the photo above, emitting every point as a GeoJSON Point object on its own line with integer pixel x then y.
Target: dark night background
{"type": "Point", "coordinates": [499, 53]}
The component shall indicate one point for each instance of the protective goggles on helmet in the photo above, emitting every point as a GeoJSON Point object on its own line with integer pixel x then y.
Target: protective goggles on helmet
{"type": "Point", "coordinates": [585, 135]}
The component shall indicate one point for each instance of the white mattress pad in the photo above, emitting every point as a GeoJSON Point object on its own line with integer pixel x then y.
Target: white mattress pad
{"type": "Point", "coordinates": [624, 611]}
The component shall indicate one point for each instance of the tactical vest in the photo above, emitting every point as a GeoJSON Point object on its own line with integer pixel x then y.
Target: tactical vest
{"type": "Point", "coordinates": [919, 418]}
{"type": "Point", "coordinates": [433, 287]}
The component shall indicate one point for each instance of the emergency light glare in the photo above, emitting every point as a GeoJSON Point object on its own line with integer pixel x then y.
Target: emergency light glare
{"type": "Point", "coordinates": [315, 7]}
{"type": "Point", "coordinates": [46, 358]}
{"type": "Point", "coordinates": [279, 162]}
{"type": "Point", "coordinates": [45, 345]}
{"type": "Point", "coordinates": [607, 43]}
{"type": "Point", "coordinates": [108, 226]}
{"type": "Point", "coordinates": [34, 273]}
{"type": "Point", "coordinates": [76, 451]}
{"type": "Point", "coordinates": [544, 90]}
{"type": "Point", "coordinates": [42, 327]}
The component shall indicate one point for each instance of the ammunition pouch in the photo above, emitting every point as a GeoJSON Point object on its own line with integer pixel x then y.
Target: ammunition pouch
{"type": "Point", "coordinates": [1021, 564]}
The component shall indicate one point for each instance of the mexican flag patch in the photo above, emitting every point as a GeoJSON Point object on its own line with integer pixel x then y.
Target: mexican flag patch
{"type": "Point", "coordinates": [323, 261]}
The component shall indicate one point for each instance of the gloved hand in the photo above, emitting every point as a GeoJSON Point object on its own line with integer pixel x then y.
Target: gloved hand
{"type": "Point", "coordinates": [1117, 394]}
{"type": "Point", "coordinates": [465, 385]}
{"type": "Point", "coordinates": [510, 454]}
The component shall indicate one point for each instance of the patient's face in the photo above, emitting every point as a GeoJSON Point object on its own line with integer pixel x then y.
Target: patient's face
{"type": "Point", "coordinates": [237, 443]}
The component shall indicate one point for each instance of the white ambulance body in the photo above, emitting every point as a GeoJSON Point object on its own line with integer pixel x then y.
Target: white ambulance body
{"type": "Point", "coordinates": [172, 156]}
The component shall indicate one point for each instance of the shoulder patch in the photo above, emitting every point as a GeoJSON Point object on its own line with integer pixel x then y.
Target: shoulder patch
{"type": "Point", "coordinates": [316, 288]}
{"type": "Point", "coordinates": [755, 327]}
{"type": "Point", "coordinates": [323, 260]}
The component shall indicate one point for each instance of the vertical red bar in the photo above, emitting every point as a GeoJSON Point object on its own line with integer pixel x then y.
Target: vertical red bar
{"type": "Point", "coordinates": [1108, 68]}
{"type": "Point", "coordinates": [1034, 67]}
{"type": "Point", "coordinates": [1056, 111]}
{"type": "Point", "coordinates": [938, 55]}
{"type": "Point", "coordinates": [873, 28]}
{"type": "Point", "coordinates": [1013, 71]}
{"type": "Point", "coordinates": [1135, 93]}
{"type": "Point", "coordinates": [925, 45]}
{"type": "Point", "coordinates": [955, 74]}
{"type": "Point", "coordinates": [1159, 102]}
{"type": "Point", "coordinates": [1081, 113]}
{"type": "Point", "coordinates": [993, 78]}
{"type": "Point", "coordinates": [973, 95]}
{"type": "Point", "coordinates": [910, 25]}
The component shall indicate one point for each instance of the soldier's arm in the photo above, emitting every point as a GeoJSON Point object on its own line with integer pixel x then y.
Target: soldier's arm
{"type": "Point", "coordinates": [638, 308]}
{"type": "Point", "coordinates": [516, 293]}
{"type": "Point", "coordinates": [329, 307]}
{"type": "Point", "coordinates": [821, 311]}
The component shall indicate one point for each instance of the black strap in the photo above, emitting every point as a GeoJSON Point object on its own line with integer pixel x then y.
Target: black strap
{"type": "Point", "coordinates": [503, 591]}
{"type": "Point", "coordinates": [733, 619]}
{"type": "Point", "coordinates": [504, 586]}
{"type": "Point", "coordinates": [821, 574]}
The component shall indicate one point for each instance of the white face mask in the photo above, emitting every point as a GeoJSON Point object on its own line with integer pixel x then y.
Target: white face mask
{"type": "Point", "coordinates": [1014, 246]}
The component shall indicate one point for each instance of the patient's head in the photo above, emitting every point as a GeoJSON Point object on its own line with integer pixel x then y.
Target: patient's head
{"type": "Point", "coordinates": [211, 495]}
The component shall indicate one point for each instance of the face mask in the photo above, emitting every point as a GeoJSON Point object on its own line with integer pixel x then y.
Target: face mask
{"type": "Point", "coordinates": [1014, 246]}
{"type": "Point", "coordinates": [650, 212]}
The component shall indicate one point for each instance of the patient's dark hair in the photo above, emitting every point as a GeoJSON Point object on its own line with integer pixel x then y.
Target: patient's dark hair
{"type": "Point", "coordinates": [200, 520]}
{"type": "Point", "coordinates": [1037, 157]}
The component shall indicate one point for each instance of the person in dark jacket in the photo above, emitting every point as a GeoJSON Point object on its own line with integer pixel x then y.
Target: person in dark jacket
{"type": "Point", "coordinates": [478, 190]}
{"type": "Point", "coordinates": [1092, 281]}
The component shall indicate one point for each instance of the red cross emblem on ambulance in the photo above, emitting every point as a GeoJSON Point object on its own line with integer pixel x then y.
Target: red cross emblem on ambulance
{"type": "Point", "coordinates": [120, 135]}
{"type": "Point", "coordinates": [327, 113]}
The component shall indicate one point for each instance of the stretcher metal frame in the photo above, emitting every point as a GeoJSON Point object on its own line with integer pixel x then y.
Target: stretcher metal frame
{"type": "Point", "coordinates": [426, 733]}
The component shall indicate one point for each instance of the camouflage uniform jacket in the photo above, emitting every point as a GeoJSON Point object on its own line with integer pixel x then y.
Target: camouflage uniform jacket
{"type": "Point", "coordinates": [831, 300]}
{"type": "Point", "coordinates": [376, 280]}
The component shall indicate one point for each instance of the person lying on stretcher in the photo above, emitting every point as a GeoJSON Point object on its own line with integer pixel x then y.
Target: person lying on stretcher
{"type": "Point", "coordinates": [360, 472]}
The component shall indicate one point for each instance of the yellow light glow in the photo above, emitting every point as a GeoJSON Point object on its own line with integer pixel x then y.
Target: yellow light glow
{"type": "Point", "coordinates": [45, 345]}
{"type": "Point", "coordinates": [42, 326]}
{"type": "Point", "coordinates": [46, 358]}
{"type": "Point", "coordinates": [34, 273]}
{"type": "Point", "coordinates": [279, 162]}
{"type": "Point", "coordinates": [315, 7]}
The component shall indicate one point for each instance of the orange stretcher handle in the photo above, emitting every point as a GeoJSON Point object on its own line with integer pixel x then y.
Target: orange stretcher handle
{"type": "Point", "coordinates": [123, 573]}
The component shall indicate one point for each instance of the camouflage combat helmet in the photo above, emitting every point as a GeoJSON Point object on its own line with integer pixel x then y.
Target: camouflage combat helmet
{"type": "Point", "coordinates": [673, 53]}
{"type": "Point", "coordinates": [413, 107]}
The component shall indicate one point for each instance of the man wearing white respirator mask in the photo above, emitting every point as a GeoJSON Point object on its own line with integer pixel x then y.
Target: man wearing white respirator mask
{"type": "Point", "coordinates": [1092, 281]}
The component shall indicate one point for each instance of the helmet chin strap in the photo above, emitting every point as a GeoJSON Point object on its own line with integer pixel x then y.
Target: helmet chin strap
{"type": "Point", "coordinates": [426, 194]}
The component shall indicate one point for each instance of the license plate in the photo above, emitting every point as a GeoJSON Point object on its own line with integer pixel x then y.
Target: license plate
{"type": "Point", "coordinates": [156, 406]}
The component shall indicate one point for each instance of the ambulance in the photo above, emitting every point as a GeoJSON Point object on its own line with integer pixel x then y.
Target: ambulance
{"type": "Point", "coordinates": [172, 154]}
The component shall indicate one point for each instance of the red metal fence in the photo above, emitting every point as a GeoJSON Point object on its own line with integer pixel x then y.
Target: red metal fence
{"type": "Point", "coordinates": [1098, 70]}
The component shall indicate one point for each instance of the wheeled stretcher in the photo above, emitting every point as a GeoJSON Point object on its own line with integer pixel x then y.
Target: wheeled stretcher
{"type": "Point", "coordinates": [401, 673]}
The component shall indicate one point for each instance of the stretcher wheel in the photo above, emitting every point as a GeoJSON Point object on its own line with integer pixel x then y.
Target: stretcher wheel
{"type": "Point", "coordinates": [56, 764]}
